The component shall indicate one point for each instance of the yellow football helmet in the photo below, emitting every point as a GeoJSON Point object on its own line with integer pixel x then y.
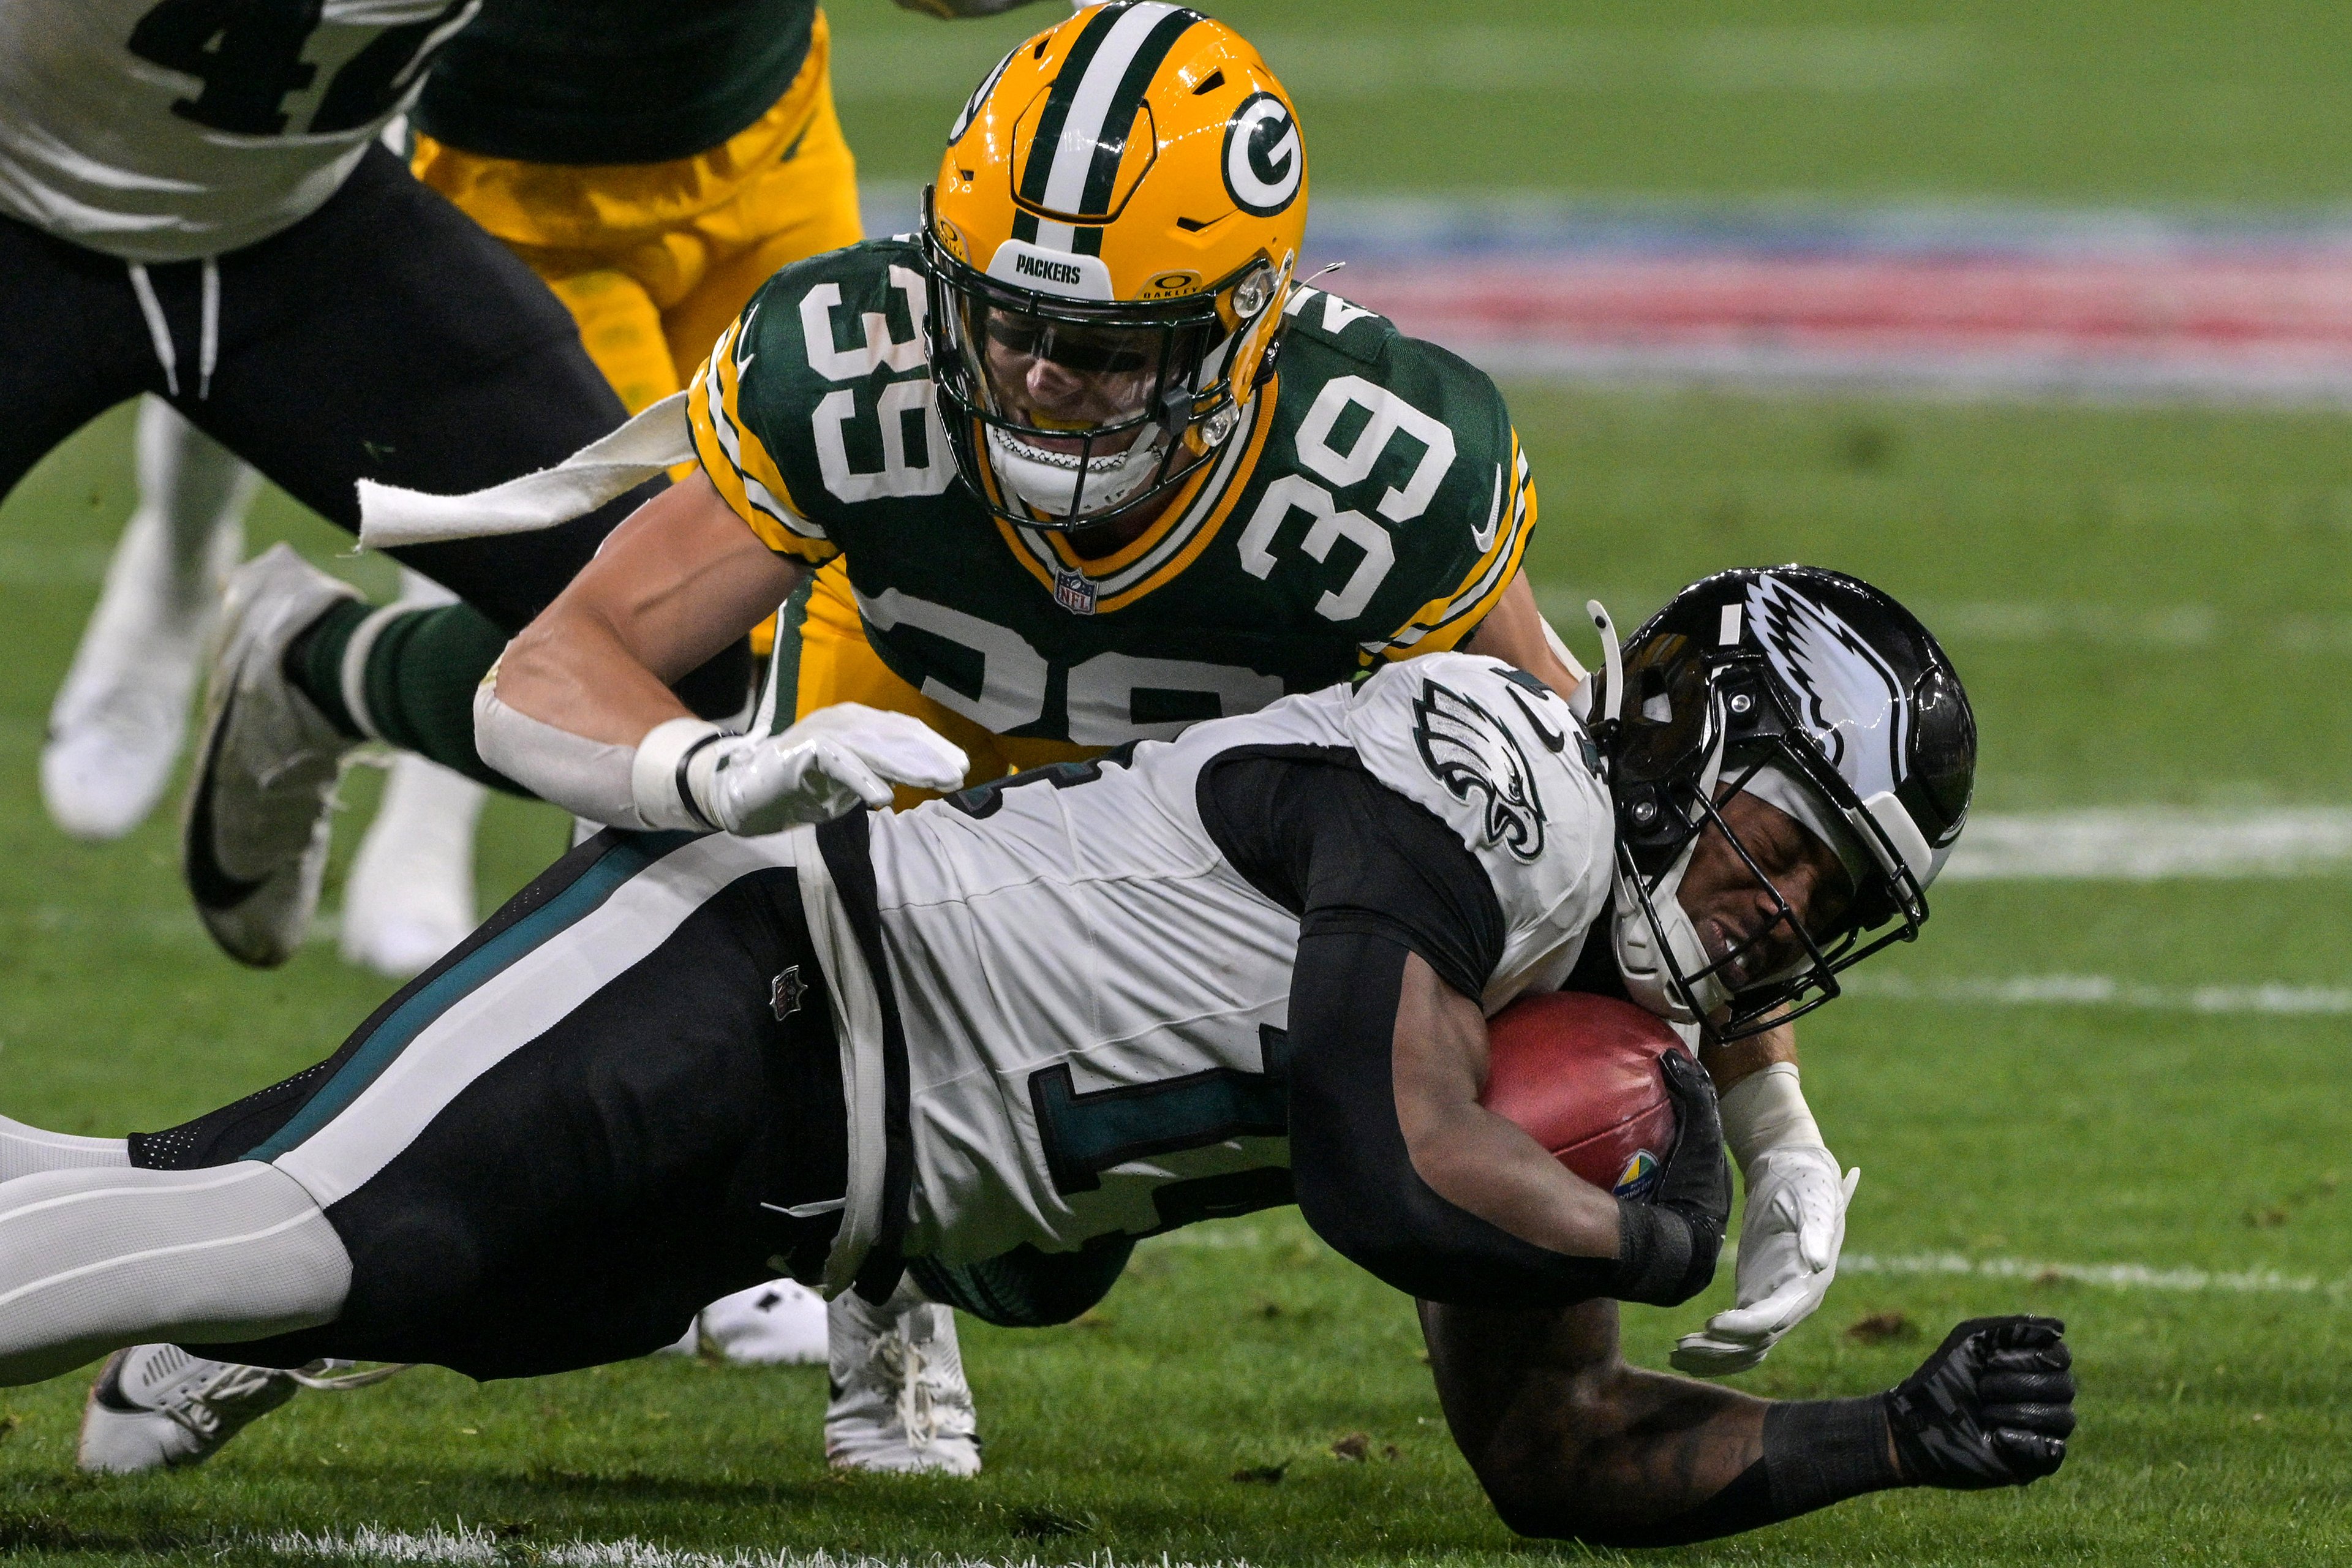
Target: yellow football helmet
{"type": "Point", "coordinates": [1110, 243]}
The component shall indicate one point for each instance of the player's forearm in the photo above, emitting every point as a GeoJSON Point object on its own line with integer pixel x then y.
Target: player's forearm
{"type": "Point", "coordinates": [570, 669]}
{"type": "Point", "coordinates": [674, 585]}
{"type": "Point", "coordinates": [1573, 1444]}
{"type": "Point", "coordinates": [1727, 1063]}
{"type": "Point", "coordinates": [1472, 1158]}
{"type": "Point", "coordinates": [1514, 632]}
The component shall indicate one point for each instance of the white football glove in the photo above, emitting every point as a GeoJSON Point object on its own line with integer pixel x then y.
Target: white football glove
{"type": "Point", "coordinates": [688, 773]}
{"type": "Point", "coordinates": [1789, 1236]}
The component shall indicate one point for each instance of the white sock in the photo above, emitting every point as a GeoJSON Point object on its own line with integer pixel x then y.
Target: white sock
{"type": "Point", "coordinates": [92, 1260]}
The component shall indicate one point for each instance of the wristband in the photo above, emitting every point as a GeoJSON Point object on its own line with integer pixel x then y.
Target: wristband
{"type": "Point", "coordinates": [1767, 1111]}
{"type": "Point", "coordinates": [658, 782]}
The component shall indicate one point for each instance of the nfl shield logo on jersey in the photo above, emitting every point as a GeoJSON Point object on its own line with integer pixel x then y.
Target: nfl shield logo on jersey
{"type": "Point", "coordinates": [785, 992]}
{"type": "Point", "coordinates": [1073, 593]}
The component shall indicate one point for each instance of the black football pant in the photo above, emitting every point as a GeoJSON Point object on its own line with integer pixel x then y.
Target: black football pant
{"type": "Point", "coordinates": [386, 336]}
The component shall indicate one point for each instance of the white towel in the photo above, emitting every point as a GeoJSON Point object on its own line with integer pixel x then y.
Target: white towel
{"type": "Point", "coordinates": [654, 441]}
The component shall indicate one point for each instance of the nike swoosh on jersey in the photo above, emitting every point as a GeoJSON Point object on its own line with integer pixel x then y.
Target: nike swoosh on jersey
{"type": "Point", "coordinates": [1484, 538]}
{"type": "Point", "coordinates": [211, 883]}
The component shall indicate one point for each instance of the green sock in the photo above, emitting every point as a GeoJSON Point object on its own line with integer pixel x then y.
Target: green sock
{"type": "Point", "coordinates": [422, 671]}
{"type": "Point", "coordinates": [314, 662]}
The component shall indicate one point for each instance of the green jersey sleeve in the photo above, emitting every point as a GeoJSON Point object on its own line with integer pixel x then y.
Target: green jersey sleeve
{"type": "Point", "coordinates": [1407, 452]}
{"type": "Point", "coordinates": [819, 399]}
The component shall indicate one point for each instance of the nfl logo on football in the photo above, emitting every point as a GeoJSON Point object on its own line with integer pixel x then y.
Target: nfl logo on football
{"type": "Point", "coordinates": [1073, 593]}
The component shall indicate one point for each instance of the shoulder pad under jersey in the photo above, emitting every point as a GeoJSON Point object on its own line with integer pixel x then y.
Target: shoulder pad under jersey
{"type": "Point", "coordinates": [1414, 450]}
{"type": "Point", "coordinates": [1498, 757]}
{"type": "Point", "coordinates": [809, 404]}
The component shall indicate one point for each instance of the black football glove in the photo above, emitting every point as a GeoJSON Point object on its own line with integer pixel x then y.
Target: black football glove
{"type": "Point", "coordinates": [1992, 1407]}
{"type": "Point", "coordinates": [1667, 1243]}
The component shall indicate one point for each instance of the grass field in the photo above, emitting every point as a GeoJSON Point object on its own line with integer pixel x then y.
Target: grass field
{"type": "Point", "coordinates": [2150, 606]}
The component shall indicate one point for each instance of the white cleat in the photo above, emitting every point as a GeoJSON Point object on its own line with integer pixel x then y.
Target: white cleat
{"type": "Point", "coordinates": [899, 1398]}
{"type": "Point", "coordinates": [116, 727]}
{"type": "Point", "coordinates": [157, 1405]}
{"type": "Point", "coordinates": [253, 840]}
{"type": "Point", "coordinates": [410, 895]}
{"type": "Point", "coordinates": [781, 1323]}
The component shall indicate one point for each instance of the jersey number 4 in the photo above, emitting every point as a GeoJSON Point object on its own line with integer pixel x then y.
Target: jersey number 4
{"type": "Point", "coordinates": [249, 56]}
{"type": "Point", "coordinates": [1086, 1134]}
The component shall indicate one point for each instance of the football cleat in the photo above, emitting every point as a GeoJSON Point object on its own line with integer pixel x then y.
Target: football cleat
{"type": "Point", "coordinates": [157, 1405]}
{"type": "Point", "coordinates": [253, 840]}
{"type": "Point", "coordinates": [116, 727]}
{"type": "Point", "coordinates": [410, 895]}
{"type": "Point", "coordinates": [781, 1323]}
{"type": "Point", "coordinates": [899, 1398]}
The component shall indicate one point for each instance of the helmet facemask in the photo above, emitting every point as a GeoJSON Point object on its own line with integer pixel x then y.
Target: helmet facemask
{"type": "Point", "coordinates": [1067, 412]}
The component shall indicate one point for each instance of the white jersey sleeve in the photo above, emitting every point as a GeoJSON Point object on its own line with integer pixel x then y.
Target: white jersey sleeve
{"type": "Point", "coordinates": [166, 130]}
{"type": "Point", "coordinates": [1094, 1000]}
{"type": "Point", "coordinates": [1498, 757]}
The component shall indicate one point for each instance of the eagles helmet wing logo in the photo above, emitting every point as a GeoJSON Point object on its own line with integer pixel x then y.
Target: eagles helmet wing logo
{"type": "Point", "coordinates": [1472, 753]}
{"type": "Point", "coordinates": [1264, 161]}
{"type": "Point", "coordinates": [1852, 699]}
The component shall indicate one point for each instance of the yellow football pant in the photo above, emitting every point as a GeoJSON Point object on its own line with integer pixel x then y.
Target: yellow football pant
{"type": "Point", "coordinates": [653, 260]}
{"type": "Point", "coordinates": [837, 666]}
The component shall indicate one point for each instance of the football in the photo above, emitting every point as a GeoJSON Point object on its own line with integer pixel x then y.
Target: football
{"type": "Point", "coordinates": [1580, 1074]}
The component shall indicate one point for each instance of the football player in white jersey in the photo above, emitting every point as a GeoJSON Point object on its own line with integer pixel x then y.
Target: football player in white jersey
{"type": "Point", "coordinates": [1055, 1013]}
{"type": "Point", "coordinates": [193, 204]}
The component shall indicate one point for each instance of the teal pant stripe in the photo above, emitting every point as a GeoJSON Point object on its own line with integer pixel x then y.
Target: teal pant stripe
{"type": "Point", "coordinates": [478, 968]}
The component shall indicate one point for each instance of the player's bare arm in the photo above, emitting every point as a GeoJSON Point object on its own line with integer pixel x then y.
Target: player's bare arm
{"type": "Point", "coordinates": [579, 708]}
{"type": "Point", "coordinates": [1570, 1442]}
{"type": "Point", "coordinates": [1514, 632]}
{"type": "Point", "coordinates": [677, 581]}
{"type": "Point", "coordinates": [1470, 1156]}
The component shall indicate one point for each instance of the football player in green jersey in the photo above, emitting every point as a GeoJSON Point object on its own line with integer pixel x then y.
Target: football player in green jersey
{"type": "Point", "coordinates": [1080, 464]}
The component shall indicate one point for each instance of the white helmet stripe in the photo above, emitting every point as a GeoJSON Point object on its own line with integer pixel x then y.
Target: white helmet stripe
{"type": "Point", "coordinates": [1081, 131]}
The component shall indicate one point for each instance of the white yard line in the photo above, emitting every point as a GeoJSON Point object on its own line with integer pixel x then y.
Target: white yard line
{"type": "Point", "coordinates": [2114, 1275]}
{"type": "Point", "coordinates": [2138, 844]}
{"type": "Point", "coordinates": [1228, 1237]}
{"type": "Point", "coordinates": [468, 1544]}
{"type": "Point", "coordinates": [2100, 991]}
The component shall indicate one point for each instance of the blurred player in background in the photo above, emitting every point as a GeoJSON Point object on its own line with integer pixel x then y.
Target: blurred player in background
{"type": "Point", "coordinates": [191, 205]}
{"type": "Point", "coordinates": [654, 163]}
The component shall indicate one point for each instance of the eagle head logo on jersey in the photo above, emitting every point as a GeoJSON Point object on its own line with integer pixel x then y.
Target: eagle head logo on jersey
{"type": "Point", "coordinates": [1472, 753]}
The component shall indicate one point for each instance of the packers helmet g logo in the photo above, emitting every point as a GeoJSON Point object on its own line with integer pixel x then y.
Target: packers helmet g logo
{"type": "Point", "coordinates": [1264, 163]}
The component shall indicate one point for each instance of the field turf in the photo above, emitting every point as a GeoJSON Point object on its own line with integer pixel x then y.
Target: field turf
{"type": "Point", "coordinates": [2149, 607]}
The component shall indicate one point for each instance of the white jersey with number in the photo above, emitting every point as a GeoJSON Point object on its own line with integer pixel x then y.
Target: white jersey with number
{"type": "Point", "coordinates": [1094, 1000]}
{"type": "Point", "coordinates": [164, 130]}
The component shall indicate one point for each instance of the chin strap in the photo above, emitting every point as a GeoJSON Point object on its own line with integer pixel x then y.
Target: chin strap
{"type": "Point", "coordinates": [1612, 661]}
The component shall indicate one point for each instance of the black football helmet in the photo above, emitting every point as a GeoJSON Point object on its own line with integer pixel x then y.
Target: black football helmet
{"type": "Point", "coordinates": [1820, 695]}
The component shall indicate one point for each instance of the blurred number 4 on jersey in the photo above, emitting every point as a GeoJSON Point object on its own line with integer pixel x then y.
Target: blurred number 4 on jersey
{"type": "Point", "coordinates": [249, 56]}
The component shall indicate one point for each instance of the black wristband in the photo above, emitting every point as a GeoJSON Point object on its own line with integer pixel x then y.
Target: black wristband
{"type": "Point", "coordinates": [686, 790]}
{"type": "Point", "coordinates": [1654, 1255]}
{"type": "Point", "coordinates": [1820, 1451]}
{"type": "Point", "coordinates": [1816, 1452]}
